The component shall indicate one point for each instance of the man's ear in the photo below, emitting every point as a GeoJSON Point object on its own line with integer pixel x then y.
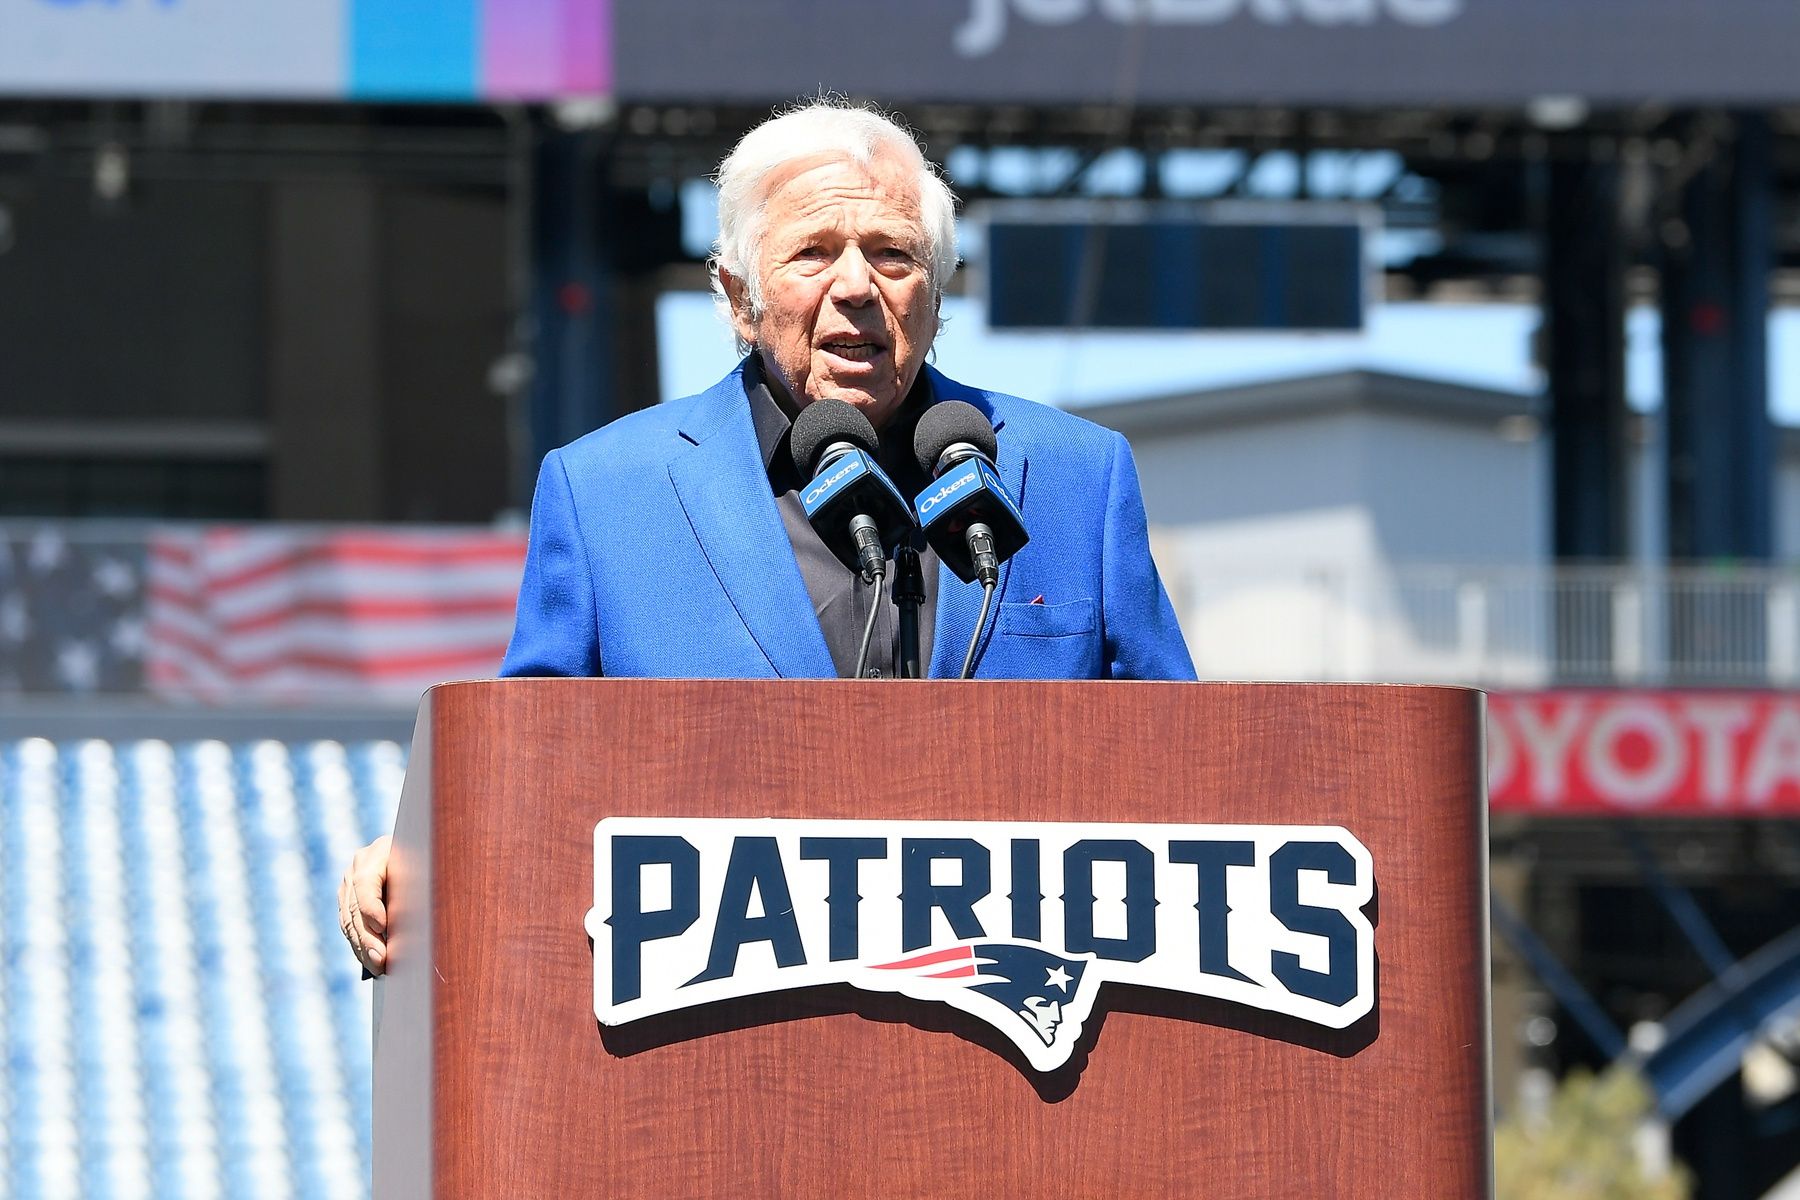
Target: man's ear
{"type": "Point", "coordinates": [739, 297]}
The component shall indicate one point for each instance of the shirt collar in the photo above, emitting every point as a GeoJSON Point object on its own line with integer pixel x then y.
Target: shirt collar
{"type": "Point", "coordinates": [767, 414]}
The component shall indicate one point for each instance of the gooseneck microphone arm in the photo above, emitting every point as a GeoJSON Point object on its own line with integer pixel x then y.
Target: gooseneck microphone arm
{"type": "Point", "coordinates": [987, 601]}
{"type": "Point", "coordinates": [980, 539]}
{"type": "Point", "coordinates": [965, 511]}
{"type": "Point", "coordinates": [981, 549]}
{"type": "Point", "coordinates": [871, 560]}
{"type": "Point", "coordinates": [863, 529]}
{"type": "Point", "coordinates": [909, 597]}
{"type": "Point", "coordinates": [987, 572]}
{"type": "Point", "coordinates": [851, 503]}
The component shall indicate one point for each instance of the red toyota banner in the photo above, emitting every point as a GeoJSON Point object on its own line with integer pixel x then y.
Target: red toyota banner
{"type": "Point", "coordinates": [1664, 753]}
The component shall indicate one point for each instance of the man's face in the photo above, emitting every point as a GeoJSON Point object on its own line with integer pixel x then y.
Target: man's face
{"type": "Point", "coordinates": [848, 312]}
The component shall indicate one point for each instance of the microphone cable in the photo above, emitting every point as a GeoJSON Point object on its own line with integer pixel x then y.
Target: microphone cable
{"type": "Point", "coordinates": [862, 655]}
{"type": "Point", "coordinates": [987, 600]}
{"type": "Point", "coordinates": [965, 511]}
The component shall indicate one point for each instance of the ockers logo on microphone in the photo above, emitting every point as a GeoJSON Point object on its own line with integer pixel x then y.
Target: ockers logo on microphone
{"type": "Point", "coordinates": [950, 489]}
{"type": "Point", "coordinates": [1019, 924]}
{"type": "Point", "coordinates": [853, 466]}
{"type": "Point", "coordinates": [987, 25]}
{"type": "Point", "coordinates": [970, 473]}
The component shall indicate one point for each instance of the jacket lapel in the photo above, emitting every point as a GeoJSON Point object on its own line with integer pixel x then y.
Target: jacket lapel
{"type": "Point", "coordinates": [724, 490]}
{"type": "Point", "coordinates": [959, 603]}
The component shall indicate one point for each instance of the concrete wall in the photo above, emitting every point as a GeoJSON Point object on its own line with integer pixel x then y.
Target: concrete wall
{"type": "Point", "coordinates": [1301, 548]}
{"type": "Point", "coordinates": [1454, 492]}
{"type": "Point", "coordinates": [1413, 489]}
{"type": "Point", "coordinates": [1248, 473]}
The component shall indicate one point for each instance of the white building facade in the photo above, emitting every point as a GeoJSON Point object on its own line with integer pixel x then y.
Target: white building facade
{"type": "Point", "coordinates": [1364, 525]}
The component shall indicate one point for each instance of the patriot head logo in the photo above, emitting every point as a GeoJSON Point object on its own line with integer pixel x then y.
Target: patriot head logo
{"type": "Point", "coordinates": [1018, 924]}
{"type": "Point", "coordinates": [1046, 992]}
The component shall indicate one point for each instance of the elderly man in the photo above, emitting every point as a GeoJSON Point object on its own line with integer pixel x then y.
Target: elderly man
{"type": "Point", "coordinates": [673, 542]}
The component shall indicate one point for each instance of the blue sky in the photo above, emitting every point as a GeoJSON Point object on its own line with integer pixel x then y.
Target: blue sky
{"type": "Point", "coordinates": [1485, 345]}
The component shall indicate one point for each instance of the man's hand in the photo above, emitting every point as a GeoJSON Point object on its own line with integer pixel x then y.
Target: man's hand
{"type": "Point", "coordinates": [362, 911]}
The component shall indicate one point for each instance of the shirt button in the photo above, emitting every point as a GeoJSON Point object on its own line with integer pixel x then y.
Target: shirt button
{"type": "Point", "coordinates": [872, 673]}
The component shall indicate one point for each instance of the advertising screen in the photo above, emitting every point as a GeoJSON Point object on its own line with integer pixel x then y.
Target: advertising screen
{"type": "Point", "coordinates": [306, 49]}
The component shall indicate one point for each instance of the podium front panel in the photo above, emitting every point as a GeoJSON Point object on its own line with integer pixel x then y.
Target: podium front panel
{"type": "Point", "coordinates": [834, 1092]}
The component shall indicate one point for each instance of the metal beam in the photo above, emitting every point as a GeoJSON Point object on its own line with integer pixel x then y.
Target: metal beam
{"type": "Point", "coordinates": [1717, 259]}
{"type": "Point", "coordinates": [1575, 999]}
{"type": "Point", "coordinates": [1584, 301]}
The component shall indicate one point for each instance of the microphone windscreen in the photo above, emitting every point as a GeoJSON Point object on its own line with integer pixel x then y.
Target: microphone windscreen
{"type": "Point", "coordinates": [826, 421]}
{"type": "Point", "coordinates": [946, 423]}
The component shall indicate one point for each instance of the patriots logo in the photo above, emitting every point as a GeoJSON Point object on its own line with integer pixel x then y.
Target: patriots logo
{"type": "Point", "coordinates": [1017, 924]}
{"type": "Point", "coordinates": [1046, 992]}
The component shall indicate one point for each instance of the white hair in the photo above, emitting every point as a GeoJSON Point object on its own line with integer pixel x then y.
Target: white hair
{"type": "Point", "coordinates": [824, 127]}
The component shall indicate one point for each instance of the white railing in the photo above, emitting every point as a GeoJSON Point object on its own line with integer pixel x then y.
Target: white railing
{"type": "Point", "coordinates": [1519, 627]}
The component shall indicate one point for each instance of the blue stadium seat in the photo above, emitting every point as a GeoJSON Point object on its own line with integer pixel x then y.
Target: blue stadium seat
{"type": "Point", "coordinates": [178, 1014]}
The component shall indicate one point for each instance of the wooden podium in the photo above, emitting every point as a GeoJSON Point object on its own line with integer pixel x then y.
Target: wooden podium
{"type": "Point", "coordinates": [494, 1079]}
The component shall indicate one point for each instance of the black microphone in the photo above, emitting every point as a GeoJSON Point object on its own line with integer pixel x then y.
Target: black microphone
{"type": "Point", "coordinates": [852, 504]}
{"type": "Point", "coordinates": [968, 517]}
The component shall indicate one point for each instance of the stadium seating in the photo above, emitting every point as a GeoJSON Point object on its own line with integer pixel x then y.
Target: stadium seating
{"type": "Point", "coordinates": [180, 1017]}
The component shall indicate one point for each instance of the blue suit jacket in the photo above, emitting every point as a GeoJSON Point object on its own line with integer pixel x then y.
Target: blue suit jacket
{"type": "Point", "coordinates": [656, 550]}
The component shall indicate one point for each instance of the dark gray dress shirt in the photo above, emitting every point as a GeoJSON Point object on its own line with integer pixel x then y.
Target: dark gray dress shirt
{"type": "Point", "coordinates": [840, 598]}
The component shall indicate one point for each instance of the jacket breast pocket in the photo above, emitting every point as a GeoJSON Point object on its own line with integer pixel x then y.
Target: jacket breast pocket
{"type": "Point", "coordinates": [1045, 641]}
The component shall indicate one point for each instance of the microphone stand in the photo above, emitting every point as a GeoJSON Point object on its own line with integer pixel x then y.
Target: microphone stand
{"type": "Point", "coordinates": [909, 595]}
